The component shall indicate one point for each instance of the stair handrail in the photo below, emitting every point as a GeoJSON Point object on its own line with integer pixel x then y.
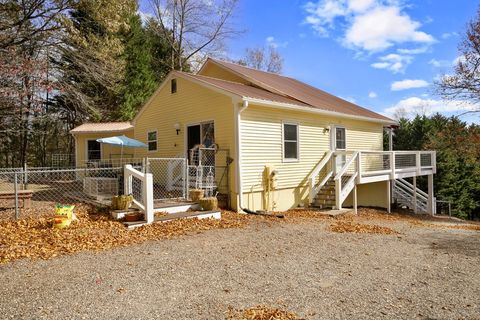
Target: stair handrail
{"type": "Point", "coordinates": [315, 172]}
{"type": "Point", "coordinates": [342, 193]}
{"type": "Point", "coordinates": [409, 187]}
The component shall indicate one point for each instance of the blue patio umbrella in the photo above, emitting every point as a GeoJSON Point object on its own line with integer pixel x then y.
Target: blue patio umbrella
{"type": "Point", "coordinates": [123, 141]}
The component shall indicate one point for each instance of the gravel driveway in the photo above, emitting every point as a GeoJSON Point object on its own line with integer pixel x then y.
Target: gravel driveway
{"type": "Point", "coordinates": [424, 273]}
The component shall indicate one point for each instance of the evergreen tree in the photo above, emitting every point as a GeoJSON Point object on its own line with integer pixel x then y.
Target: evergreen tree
{"type": "Point", "coordinates": [139, 81]}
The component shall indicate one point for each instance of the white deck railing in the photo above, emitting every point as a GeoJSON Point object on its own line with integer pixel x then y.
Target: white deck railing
{"type": "Point", "coordinates": [140, 186]}
{"type": "Point", "coordinates": [356, 167]}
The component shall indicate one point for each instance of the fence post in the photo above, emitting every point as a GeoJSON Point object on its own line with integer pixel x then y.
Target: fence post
{"type": "Point", "coordinates": [148, 197]}
{"type": "Point", "coordinates": [15, 188]}
{"type": "Point", "coordinates": [185, 179]}
{"type": "Point", "coordinates": [25, 177]}
{"type": "Point", "coordinates": [127, 180]}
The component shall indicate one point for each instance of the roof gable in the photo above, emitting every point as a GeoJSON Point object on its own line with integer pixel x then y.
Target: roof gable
{"type": "Point", "coordinates": [294, 89]}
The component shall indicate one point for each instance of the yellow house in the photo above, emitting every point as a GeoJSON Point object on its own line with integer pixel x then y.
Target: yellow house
{"type": "Point", "coordinates": [285, 143]}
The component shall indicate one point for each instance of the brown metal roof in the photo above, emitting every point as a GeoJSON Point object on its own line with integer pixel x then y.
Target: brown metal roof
{"type": "Point", "coordinates": [297, 90]}
{"type": "Point", "coordinates": [244, 90]}
{"type": "Point", "coordinates": [102, 127]}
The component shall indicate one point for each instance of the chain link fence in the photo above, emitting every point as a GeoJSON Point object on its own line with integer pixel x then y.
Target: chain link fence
{"type": "Point", "coordinates": [208, 169]}
{"type": "Point", "coordinates": [169, 178]}
{"type": "Point", "coordinates": [36, 191]}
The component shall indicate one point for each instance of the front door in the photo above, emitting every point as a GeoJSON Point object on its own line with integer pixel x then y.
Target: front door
{"type": "Point", "coordinates": [339, 143]}
{"type": "Point", "coordinates": [201, 134]}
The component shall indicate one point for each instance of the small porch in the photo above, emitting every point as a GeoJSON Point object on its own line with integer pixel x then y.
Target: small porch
{"type": "Point", "coordinates": [340, 172]}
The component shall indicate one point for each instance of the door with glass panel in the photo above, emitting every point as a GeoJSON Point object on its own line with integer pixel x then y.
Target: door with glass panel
{"type": "Point", "coordinates": [339, 143]}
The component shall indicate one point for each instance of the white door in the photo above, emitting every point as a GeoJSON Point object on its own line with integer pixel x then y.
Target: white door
{"type": "Point", "coordinates": [339, 143]}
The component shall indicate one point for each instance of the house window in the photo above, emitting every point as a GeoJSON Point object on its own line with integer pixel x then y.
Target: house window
{"type": "Point", "coordinates": [152, 140]}
{"type": "Point", "coordinates": [290, 141]}
{"type": "Point", "coordinates": [94, 150]}
{"type": "Point", "coordinates": [340, 138]}
{"type": "Point", "coordinates": [173, 85]}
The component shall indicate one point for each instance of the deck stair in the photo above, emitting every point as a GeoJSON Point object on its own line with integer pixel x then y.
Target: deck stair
{"type": "Point", "coordinates": [325, 198]}
{"type": "Point", "coordinates": [338, 173]}
{"type": "Point", "coordinates": [404, 195]}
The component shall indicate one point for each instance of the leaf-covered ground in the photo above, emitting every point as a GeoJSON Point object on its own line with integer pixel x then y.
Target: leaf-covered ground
{"type": "Point", "coordinates": [35, 238]}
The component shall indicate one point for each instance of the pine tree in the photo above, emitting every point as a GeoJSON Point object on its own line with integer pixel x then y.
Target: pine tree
{"type": "Point", "coordinates": [139, 81]}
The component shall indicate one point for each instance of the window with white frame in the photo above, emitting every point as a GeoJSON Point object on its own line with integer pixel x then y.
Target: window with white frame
{"type": "Point", "coordinates": [290, 141]}
{"type": "Point", "coordinates": [340, 138]}
{"type": "Point", "coordinates": [152, 140]}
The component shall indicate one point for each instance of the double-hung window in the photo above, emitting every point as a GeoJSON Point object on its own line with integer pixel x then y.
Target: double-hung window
{"type": "Point", "coordinates": [290, 142]}
{"type": "Point", "coordinates": [152, 140]}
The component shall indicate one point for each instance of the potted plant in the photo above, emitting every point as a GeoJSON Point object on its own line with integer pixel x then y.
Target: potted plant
{"type": "Point", "coordinates": [196, 194]}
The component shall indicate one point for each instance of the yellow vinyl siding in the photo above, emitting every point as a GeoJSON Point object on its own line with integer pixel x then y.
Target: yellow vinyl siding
{"type": "Point", "coordinates": [107, 151]}
{"type": "Point", "coordinates": [214, 71]}
{"type": "Point", "coordinates": [262, 143]}
{"type": "Point", "coordinates": [191, 104]}
{"type": "Point", "coordinates": [261, 134]}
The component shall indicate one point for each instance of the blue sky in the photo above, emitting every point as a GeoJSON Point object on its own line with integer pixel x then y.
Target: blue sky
{"type": "Point", "coordinates": [381, 54]}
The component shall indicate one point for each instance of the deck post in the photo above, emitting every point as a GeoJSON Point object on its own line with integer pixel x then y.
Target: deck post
{"type": "Point", "coordinates": [415, 194]}
{"type": "Point", "coordinates": [392, 164]}
{"type": "Point", "coordinates": [338, 188]}
{"type": "Point", "coordinates": [389, 196]}
{"type": "Point", "coordinates": [355, 199]}
{"type": "Point", "coordinates": [430, 194]}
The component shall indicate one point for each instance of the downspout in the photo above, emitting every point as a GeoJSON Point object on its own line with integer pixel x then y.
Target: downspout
{"type": "Point", "coordinates": [238, 151]}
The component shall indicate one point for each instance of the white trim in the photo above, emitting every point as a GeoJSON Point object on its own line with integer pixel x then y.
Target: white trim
{"type": "Point", "coordinates": [77, 156]}
{"type": "Point", "coordinates": [292, 123]}
{"type": "Point", "coordinates": [86, 149]}
{"type": "Point", "coordinates": [156, 140]}
{"type": "Point", "coordinates": [289, 106]}
{"type": "Point", "coordinates": [238, 150]}
{"type": "Point", "coordinates": [333, 137]}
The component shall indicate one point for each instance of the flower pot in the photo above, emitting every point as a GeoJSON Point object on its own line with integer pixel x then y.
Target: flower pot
{"type": "Point", "coordinates": [196, 194]}
{"type": "Point", "coordinates": [209, 204]}
{"type": "Point", "coordinates": [132, 216]}
{"type": "Point", "coordinates": [121, 202]}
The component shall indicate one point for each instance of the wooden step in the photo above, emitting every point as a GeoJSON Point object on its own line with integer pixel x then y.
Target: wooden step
{"type": "Point", "coordinates": [322, 196]}
{"type": "Point", "coordinates": [324, 202]}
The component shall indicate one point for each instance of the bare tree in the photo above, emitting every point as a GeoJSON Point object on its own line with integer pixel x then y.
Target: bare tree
{"type": "Point", "coordinates": [195, 28]}
{"type": "Point", "coordinates": [261, 58]}
{"type": "Point", "coordinates": [464, 83]}
{"type": "Point", "coordinates": [20, 21]}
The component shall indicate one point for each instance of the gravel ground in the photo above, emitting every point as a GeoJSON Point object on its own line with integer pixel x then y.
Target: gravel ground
{"type": "Point", "coordinates": [422, 273]}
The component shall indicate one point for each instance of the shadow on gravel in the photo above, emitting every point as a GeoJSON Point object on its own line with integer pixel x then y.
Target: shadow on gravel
{"type": "Point", "coordinates": [465, 245]}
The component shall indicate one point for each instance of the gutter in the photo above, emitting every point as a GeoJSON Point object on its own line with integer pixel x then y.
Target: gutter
{"type": "Point", "coordinates": [238, 151]}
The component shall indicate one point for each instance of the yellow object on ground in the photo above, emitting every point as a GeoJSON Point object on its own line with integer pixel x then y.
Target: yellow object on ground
{"type": "Point", "coordinates": [63, 216]}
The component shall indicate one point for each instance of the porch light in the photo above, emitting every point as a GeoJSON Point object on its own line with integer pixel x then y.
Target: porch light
{"type": "Point", "coordinates": [176, 126]}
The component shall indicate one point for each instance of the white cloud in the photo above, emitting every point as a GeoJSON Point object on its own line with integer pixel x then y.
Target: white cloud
{"type": "Point", "coordinates": [440, 63]}
{"type": "Point", "coordinates": [371, 25]}
{"type": "Point", "coordinates": [408, 84]}
{"type": "Point", "coordinates": [414, 50]}
{"type": "Point", "coordinates": [271, 42]}
{"type": "Point", "coordinates": [372, 95]}
{"type": "Point", "coordinates": [360, 5]}
{"type": "Point", "coordinates": [415, 105]}
{"type": "Point", "coordinates": [382, 27]}
{"type": "Point", "coordinates": [459, 59]}
{"type": "Point", "coordinates": [447, 35]}
{"type": "Point", "coordinates": [145, 16]}
{"type": "Point", "coordinates": [393, 62]}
